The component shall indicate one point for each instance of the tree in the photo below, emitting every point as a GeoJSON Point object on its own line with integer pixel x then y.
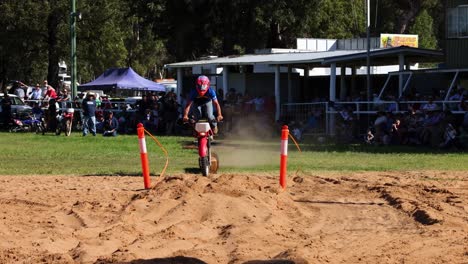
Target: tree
{"type": "Point", "coordinates": [423, 27]}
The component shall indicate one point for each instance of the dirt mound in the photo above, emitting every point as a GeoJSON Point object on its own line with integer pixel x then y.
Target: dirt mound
{"type": "Point", "coordinates": [231, 218]}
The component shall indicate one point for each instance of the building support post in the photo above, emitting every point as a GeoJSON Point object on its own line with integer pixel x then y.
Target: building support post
{"type": "Point", "coordinates": [401, 62]}
{"type": "Point", "coordinates": [353, 81]}
{"type": "Point", "coordinates": [180, 77]}
{"type": "Point", "coordinates": [277, 92]}
{"type": "Point", "coordinates": [332, 98]}
{"type": "Point", "coordinates": [225, 80]}
{"type": "Point", "coordinates": [343, 90]}
{"type": "Point", "coordinates": [73, 73]}
{"type": "Point", "coordinates": [289, 84]}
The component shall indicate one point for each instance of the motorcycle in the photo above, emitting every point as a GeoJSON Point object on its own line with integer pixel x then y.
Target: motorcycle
{"type": "Point", "coordinates": [32, 124]}
{"type": "Point", "coordinates": [65, 122]}
{"type": "Point", "coordinates": [16, 125]}
{"type": "Point", "coordinates": [208, 161]}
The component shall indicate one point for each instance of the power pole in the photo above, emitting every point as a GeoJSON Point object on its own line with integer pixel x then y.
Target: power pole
{"type": "Point", "coordinates": [368, 52]}
{"type": "Point", "coordinates": [73, 48]}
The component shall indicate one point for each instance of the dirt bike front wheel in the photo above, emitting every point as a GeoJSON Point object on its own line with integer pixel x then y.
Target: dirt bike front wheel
{"type": "Point", "coordinates": [205, 166]}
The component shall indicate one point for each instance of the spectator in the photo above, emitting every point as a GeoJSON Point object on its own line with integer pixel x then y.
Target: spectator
{"type": "Point", "coordinates": [63, 98]}
{"type": "Point", "coordinates": [143, 105]}
{"type": "Point", "coordinates": [432, 132]}
{"type": "Point", "coordinates": [37, 111]}
{"type": "Point", "coordinates": [259, 104]}
{"type": "Point", "coordinates": [52, 115]}
{"type": "Point", "coordinates": [170, 112]}
{"type": "Point", "coordinates": [111, 125]}
{"type": "Point", "coordinates": [50, 93]}
{"type": "Point", "coordinates": [44, 87]}
{"type": "Point", "coordinates": [36, 93]}
{"type": "Point", "coordinates": [6, 108]}
{"type": "Point", "coordinates": [18, 89]}
{"type": "Point", "coordinates": [106, 103]}
{"type": "Point", "coordinates": [155, 117]}
{"type": "Point", "coordinates": [399, 130]}
{"type": "Point", "coordinates": [465, 118]}
{"type": "Point", "coordinates": [429, 106]}
{"type": "Point", "coordinates": [380, 125]}
{"type": "Point", "coordinates": [89, 114]}
{"type": "Point", "coordinates": [457, 96]}
{"type": "Point", "coordinates": [450, 138]}
{"type": "Point", "coordinates": [369, 138]}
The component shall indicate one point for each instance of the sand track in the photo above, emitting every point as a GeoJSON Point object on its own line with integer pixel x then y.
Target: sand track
{"type": "Point", "coordinates": [372, 217]}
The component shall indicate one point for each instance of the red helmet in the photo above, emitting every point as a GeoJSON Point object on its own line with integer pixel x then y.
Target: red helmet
{"type": "Point", "coordinates": [203, 84]}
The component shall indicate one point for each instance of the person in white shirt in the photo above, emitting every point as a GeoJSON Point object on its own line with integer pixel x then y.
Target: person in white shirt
{"type": "Point", "coordinates": [36, 93]}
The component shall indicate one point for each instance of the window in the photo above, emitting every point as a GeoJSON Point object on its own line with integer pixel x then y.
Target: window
{"type": "Point", "coordinates": [457, 22]}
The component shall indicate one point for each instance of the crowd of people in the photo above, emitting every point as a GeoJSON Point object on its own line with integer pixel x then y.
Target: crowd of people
{"type": "Point", "coordinates": [413, 123]}
{"type": "Point", "coordinates": [159, 112]}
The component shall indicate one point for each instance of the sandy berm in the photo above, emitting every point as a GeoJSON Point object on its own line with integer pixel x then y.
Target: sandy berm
{"type": "Point", "coordinates": [373, 217]}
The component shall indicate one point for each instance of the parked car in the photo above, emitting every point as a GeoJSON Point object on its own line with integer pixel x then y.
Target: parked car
{"type": "Point", "coordinates": [18, 107]}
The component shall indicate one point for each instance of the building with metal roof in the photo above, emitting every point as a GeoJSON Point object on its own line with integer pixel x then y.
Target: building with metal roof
{"type": "Point", "coordinates": [352, 59]}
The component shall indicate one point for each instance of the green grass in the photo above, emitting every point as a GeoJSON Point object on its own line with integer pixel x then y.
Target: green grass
{"type": "Point", "coordinates": [29, 154]}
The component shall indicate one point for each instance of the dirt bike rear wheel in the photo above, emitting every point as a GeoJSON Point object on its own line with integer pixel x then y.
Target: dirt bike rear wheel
{"type": "Point", "coordinates": [205, 166]}
{"type": "Point", "coordinates": [68, 128]}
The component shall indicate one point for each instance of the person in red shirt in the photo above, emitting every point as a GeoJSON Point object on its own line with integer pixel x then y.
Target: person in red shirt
{"type": "Point", "coordinates": [50, 93]}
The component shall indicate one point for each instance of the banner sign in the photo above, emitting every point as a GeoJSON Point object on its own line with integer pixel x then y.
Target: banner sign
{"type": "Point", "coordinates": [396, 40]}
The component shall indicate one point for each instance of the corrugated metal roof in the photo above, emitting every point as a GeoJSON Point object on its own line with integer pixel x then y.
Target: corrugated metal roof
{"type": "Point", "coordinates": [322, 58]}
{"type": "Point", "coordinates": [273, 59]}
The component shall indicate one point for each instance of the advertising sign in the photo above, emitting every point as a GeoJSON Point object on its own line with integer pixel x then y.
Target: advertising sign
{"type": "Point", "coordinates": [396, 40]}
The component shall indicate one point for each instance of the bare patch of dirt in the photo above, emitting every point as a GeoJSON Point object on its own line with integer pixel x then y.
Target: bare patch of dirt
{"type": "Point", "coordinates": [369, 217]}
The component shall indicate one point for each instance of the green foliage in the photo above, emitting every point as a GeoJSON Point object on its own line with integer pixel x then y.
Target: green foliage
{"type": "Point", "coordinates": [423, 26]}
{"type": "Point", "coordinates": [150, 33]}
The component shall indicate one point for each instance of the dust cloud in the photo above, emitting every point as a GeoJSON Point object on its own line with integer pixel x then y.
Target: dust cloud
{"type": "Point", "coordinates": [250, 142]}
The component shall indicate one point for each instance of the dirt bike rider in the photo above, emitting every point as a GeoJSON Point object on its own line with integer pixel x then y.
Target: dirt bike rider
{"type": "Point", "coordinates": [203, 95]}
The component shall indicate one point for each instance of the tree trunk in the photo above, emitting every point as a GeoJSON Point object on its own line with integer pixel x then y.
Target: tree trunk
{"type": "Point", "coordinates": [409, 16]}
{"type": "Point", "coordinates": [52, 40]}
{"type": "Point", "coordinates": [275, 40]}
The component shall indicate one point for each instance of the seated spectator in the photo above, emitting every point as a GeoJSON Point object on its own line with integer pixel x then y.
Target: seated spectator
{"type": "Point", "coordinates": [99, 120]}
{"type": "Point", "coordinates": [457, 96]}
{"type": "Point", "coordinates": [399, 130]}
{"type": "Point", "coordinates": [111, 125]}
{"type": "Point", "coordinates": [465, 120]}
{"type": "Point", "coordinates": [295, 131]}
{"type": "Point", "coordinates": [432, 132]}
{"type": "Point", "coordinates": [369, 138]}
{"type": "Point", "coordinates": [380, 125]}
{"type": "Point", "coordinates": [391, 107]}
{"type": "Point", "coordinates": [450, 138]}
{"type": "Point", "coordinates": [429, 106]}
{"type": "Point", "coordinates": [413, 122]}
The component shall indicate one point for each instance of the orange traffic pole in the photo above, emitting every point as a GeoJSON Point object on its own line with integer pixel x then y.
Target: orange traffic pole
{"type": "Point", "coordinates": [284, 156]}
{"type": "Point", "coordinates": [143, 155]}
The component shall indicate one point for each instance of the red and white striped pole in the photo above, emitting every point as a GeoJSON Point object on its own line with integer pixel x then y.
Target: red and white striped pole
{"type": "Point", "coordinates": [143, 155]}
{"type": "Point", "coordinates": [284, 155]}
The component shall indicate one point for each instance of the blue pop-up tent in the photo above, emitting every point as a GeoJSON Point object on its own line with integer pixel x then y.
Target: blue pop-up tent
{"type": "Point", "coordinates": [123, 79]}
